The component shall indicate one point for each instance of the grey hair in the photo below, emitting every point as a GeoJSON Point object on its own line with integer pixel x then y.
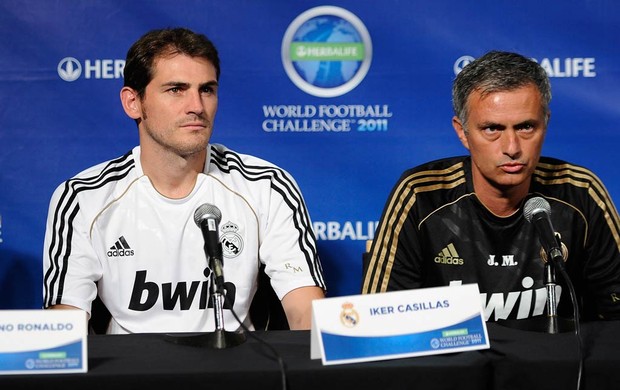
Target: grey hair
{"type": "Point", "coordinates": [498, 71]}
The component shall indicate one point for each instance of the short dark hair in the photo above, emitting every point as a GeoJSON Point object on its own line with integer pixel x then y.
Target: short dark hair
{"type": "Point", "coordinates": [498, 71]}
{"type": "Point", "coordinates": [161, 43]}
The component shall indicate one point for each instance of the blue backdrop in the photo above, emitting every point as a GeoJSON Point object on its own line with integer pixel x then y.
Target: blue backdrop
{"type": "Point", "coordinates": [344, 95]}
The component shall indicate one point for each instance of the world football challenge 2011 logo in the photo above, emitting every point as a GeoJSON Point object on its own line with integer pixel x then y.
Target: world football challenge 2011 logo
{"type": "Point", "coordinates": [326, 51]}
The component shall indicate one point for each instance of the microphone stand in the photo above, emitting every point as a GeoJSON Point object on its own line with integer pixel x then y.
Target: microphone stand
{"type": "Point", "coordinates": [550, 323]}
{"type": "Point", "coordinates": [552, 302]}
{"type": "Point", "coordinates": [555, 258]}
{"type": "Point", "coordinates": [219, 338]}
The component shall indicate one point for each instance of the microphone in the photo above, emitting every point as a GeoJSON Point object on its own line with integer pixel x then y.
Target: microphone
{"type": "Point", "coordinates": [208, 217]}
{"type": "Point", "coordinates": [537, 211]}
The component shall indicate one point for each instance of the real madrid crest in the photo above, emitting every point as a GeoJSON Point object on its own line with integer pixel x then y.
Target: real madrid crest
{"type": "Point", "coordinates": [543, 254]}
{"type": "Point", "coordinates": [348, 316]}
{"type": "Point", "coordinates": [232, 243]}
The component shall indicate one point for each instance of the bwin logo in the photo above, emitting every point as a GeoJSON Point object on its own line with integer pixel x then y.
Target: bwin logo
{"type": "Point", "coordinates": [69, 69]}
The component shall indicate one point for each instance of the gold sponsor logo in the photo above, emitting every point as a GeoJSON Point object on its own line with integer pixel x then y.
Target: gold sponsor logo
{"type": "Point", "coordinates": [449, 256]}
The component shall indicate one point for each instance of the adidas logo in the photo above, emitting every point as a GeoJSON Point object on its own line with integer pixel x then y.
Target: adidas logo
{"type": "Point", "coordinates": [120, 248]}
{"type": "Point", "coordinates": [448, 255]}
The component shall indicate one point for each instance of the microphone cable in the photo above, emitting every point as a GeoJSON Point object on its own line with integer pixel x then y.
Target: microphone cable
{"type": "Point", "coordinates": [537, 211]}
{"type": "Point", "coordinates": [207, 217]}
{"type": "Point", "coordinates": [575, 302]}
{"type": "Point", "coordinates": [276, 356]}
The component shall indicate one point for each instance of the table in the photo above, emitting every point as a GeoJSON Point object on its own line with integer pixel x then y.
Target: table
{"type": "Point", "coordinates": [517, 359]}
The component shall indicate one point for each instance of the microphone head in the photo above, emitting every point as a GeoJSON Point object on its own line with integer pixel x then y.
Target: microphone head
{"type": "Point", "coordinates": [206, 211]}
{"type": "Point", "coordinates": [534, 206]}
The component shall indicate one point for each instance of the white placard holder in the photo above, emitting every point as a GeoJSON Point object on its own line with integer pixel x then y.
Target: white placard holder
{"type": "Point", "coordinates": [429, 321]}
{"type": "Point", "coordinates": [43, 341]}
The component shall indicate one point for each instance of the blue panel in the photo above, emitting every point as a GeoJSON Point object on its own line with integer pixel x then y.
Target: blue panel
{"type": "Point", "coordinates": [51, 129]}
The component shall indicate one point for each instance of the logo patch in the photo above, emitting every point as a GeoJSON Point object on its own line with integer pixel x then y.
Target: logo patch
{"type": "Point", "coordinates": [69, 69]}
{"type": "Point", "coordinates": [232, 243]}
{"type": "Point", "coordinates": [563, 247]}
{"type": "Point", "coordinates": [449, 255]}
{"type": "Point", "coordinates": [349, 316]}
{"type": "Point", "coordinates": [120, 248]}
{"type": "Point", "coordinates": [462, 62]}
{"type": "Point", "coordinates": [326, 51]}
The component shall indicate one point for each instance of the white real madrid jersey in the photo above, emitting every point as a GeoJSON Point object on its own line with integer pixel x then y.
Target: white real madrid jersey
{"type": "Point", "coordinates": [109, 232]}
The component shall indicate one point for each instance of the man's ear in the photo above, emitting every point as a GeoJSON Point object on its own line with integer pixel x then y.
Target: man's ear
{"type": "Point", "coordinates": [131, 103]}
{"type": "Point", "coordinates": [460, 131]}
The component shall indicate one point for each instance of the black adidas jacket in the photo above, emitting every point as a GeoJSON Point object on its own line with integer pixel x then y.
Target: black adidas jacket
{"type": "Point", "coordinates": [435, 232]}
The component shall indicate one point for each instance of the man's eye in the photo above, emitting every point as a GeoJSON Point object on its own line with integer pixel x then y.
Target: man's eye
{"type": "Point", "coordinates": [527, 128]}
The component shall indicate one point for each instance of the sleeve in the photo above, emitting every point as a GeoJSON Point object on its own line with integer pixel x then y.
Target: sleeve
{"type": "Point", "coordinates": [602, 267]}
{"type": "Point", "coordinates": [394, 258]}
{"type": "Point", "coordinates": [288, 245]}
{"type": "Point", "coordinates": [70, 264]}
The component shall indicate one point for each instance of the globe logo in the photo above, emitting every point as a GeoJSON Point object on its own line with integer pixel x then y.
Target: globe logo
{"type": "Point", "coordinates": [461, 62]}
{"type": "Point", "coordinates": [326, 51]}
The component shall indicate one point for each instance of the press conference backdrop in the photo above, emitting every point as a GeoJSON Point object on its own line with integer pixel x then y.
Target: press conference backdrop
{"type": "Point", "coordinates": [345, 95]}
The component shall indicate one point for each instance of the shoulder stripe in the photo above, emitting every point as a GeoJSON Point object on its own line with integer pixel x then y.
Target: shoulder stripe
{"type": "Point", "coordinates": [555, 174]}
{"type": "Point", "coordinates": [401, 201]}
{"type": "Point", "coordinates": [280, 182]}
{"type": "Point", "coordinates": [65, 213]}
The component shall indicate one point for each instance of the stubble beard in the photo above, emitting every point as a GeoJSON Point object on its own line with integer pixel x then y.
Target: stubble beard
{"type": "Point", "coordinates": [169, 141]}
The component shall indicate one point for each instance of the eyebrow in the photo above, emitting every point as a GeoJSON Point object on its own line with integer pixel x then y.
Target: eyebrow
{"type": "Point", "coordinates": [520, 125]}
{"type": "Point", "coordinates": [186, 85]}
{"type": "Point", "coordinates": [175, 84]}
{"type": "Point", "coordinates": [525, 123]}
{"type": "Point", "coordinates": [212, 83]}
{"type": "Point", "coordinates": [493, 125]}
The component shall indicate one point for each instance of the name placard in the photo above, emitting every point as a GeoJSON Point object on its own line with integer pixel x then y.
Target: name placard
{"type": "Point", "coordinates": [399, 324]}
{"type": "Point", "coordinates": [43, 341]}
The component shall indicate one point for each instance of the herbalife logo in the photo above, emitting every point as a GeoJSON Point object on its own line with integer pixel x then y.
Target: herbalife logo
{"type": "Point", "coordinates": [70, 69]}
{"type": "Point", "coordinates": [461, 63]}
{"type": "Point", "coordinates": [555, 67]}
{"type": "Point", "coordinates": [120, 248]}
{"type": "Point", "coordinates": [448, 255]}
{"type": "Point", "coordinates": [326, 51]}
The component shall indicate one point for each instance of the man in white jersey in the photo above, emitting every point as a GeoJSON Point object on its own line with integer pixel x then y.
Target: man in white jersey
{"type": "Point", "coordinates": [124, 230]}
